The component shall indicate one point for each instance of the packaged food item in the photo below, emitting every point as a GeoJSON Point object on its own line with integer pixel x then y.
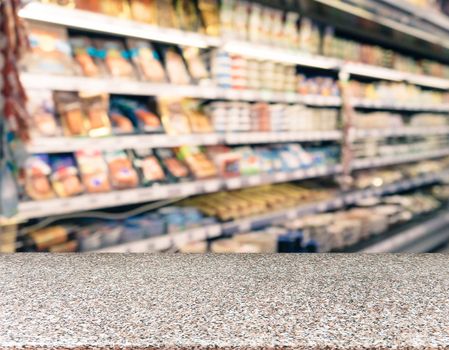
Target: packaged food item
{"type": "Point", "coordinates": [166, 14]}
{"type": "Point", "coordinates": [290, 31]}
{"type": "Point", "coordinates": [138, 112]}
{"type": "Point", "coordinates": [146, 60]}
{"type": "Point", "coordinates": [95, 108]}
{"type": "Point", "coordinates": [173, 116]}
{"type": "Point", "coordinates": [200, 166]}
{"type": "Point", "coordinates": [210, 16]}
{"type": "Point", "coordinates": [42, 112]}
{"type": "Point", "coordinates": [144, 11]}
{"type": "Point", "coordinates": [50, 50]}
{"type": "Point", "coordinates": [174, 168]}
{"type": "Point", "coordinates": [115, 58]}
{"type": "Point", "coordinates": [115, 8]}
{"type": "Point", "coordinates": [199, 121]}
{"type": "Point", "coordinates": [45, 238]}
{"type": "Point", "coordinates": [187, 15]}
{"type": "Point", "coordinates": [196, 65]}
{"type": "Point", "coordinates": [121, 124]}
{"type": "Point", "coordinates": [250, 162]}
{"type": "Point", "coordinates": [226, 160]}
{"type": "Point", "coordinates": [176, 69]}
{"type": "Point", "coordinates": [70, 111]}
{"type": "Point", "coordinates": [122, 175]}
{"type": "Point", "coordinates": [94, 170]}
{"type": "Point", "coordinates": [255, 23]}
{"type": "Point", "coordinates": [150, 169]}
{"type": "Point", "coordinates": [85, 55]}
{"type": "Point", "coordinates": [88, 5]}
{"type": "Point", "coordinates": [37, 182]}
{"type": "Point", "coordinates": [64, 177]}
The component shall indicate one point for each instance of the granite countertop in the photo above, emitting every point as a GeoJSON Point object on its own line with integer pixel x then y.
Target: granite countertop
{"type": "Point", "coordinates": [294, 301]}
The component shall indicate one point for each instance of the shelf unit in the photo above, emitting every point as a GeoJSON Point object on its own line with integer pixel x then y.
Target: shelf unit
{"type": "Point", "coordinates": [420, 238]}
{"type": "Point", "coordinates": [339, 201]}
{"type": "Point", "coordinates": [120, 27]}
{"type": "Point", "coordinates": [398, 159]}
{"type": "Point", "coordinates": [401, 131]}
{"type": "Point", "coordinates": [60, 206]}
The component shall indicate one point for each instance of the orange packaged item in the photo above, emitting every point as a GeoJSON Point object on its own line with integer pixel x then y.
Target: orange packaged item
{"type": "Point", "coordinates": [64, 178]}
{"type": "Point", "coordinates": [37, 182]}
{"type": "Point", "coordinates": [72, 117]}
{"type": "Point", "coordinates": [199, 121]}
{"type": "Point", "coordinates": [85, 55]}
{"type": "Point", "coordinates": [200, 166]}
{"type": "Point", "coordinates": [121, 172]}
{"type": "Point", "coordinates": [144, 11]}
{"type": "Point", "coordinates": [95, 107]}
{"type": "Point", "coordinates": [94, 171]}
{"type": "Point", "coordinates": [121, 124]}
{"type": "Point", "coordinates": [48, 237]}
{"type": "Point", "coordinates": [115, 8]}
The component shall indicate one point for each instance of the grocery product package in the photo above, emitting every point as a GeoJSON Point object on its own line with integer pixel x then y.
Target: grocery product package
{"type": "Point", "coordinates": [65, 176]}
{"type": "Point", "coordinates": [37, 172]}
{"type": "Point", "coordinates": [93, 170]}
{"type": "Point", "coordinates": [122, 174]}
{"type": "Point", "coordinates": [50, 50]}
{"type": "Point", "coordinates": [147, 60]}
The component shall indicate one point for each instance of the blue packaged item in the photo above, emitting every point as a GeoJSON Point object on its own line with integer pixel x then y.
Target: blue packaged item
{"type": "Point", "coordinates": [132, 230]}
{"type": "Point", "coordinates": [174, 219]}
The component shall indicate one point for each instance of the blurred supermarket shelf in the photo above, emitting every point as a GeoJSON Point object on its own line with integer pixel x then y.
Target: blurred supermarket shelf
{"type": "Point", "coordinates": [398, 159]}
{"type": "Point", "coordinates": [115, 86]}
{"type": "Point", "coordinates": [400, 131]}
{"type": "Point", "coordinates": [399, 106]}
{"type": "Point", "coordinates": [60, 206]}
{"type": "Point", "coordinates": [419, 238]}
{"type": "Point", "coordinates": [132, 87]}
{"type": "Point", "coordinates": [244, 225]}
{"type": "Point", "coordinates": [102, 23]}
{"type": "Point", "coordinates": [112, 25]}
{"type": "Point", "coordinates": [71, 144]}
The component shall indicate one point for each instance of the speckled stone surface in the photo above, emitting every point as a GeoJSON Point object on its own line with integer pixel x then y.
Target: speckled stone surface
{"type": "Point", "coordinates": [224, 301]}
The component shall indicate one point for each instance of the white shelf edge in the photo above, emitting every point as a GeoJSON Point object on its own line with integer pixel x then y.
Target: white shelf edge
{"type": "Point", "coordinates": [164, 242]}
{"type": "Point", "coordinates": [146, 141]}
{"type": "Point", "coordinates": [378, 133]}
{"type": "Point", "coordinates": [135, 87]}
{"type": "Point", "coordinates": [404, 158]}
{"type": "Point", "coordinates": [404, 106]}
{"type": "Point", "coordinates": [107, 24]}
{"type": "Point", "coordinates": [278, 54]}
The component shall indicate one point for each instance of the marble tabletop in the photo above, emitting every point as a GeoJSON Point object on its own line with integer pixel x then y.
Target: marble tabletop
{"type": "Point", "coordinates": [295, 301]}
